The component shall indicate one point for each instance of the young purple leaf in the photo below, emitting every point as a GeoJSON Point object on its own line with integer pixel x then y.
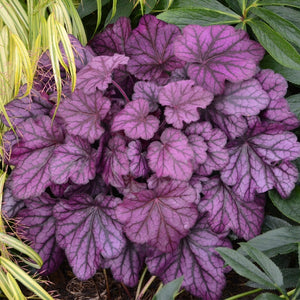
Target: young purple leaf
{"type": "Point", "coordinates": [196, 260]}
{"type": "Point", "coordinates": [97, 74]}
{"type": "Point", "coordinates": [173, 156]}
{"type": "Point", "coordinates": [151, 50]}
{"type": "Point", "coordinates": [137, 159]}
{"type": "Point", "coordinates": [135, 121]}
{"type": "Point", "coordinates": [113, 39]}
{"type": "Point", "coordinates": [40, 229]}
{"type": "Point", "coordinates": [159, 217]}
{"type": "Point", "coordinates": [260, 161]}
{"type": "Point", "coordinates": [148, 91]}
{"type": "Point", "coordinates": [183, 99]}
{"type": "Point", "coordinates": [199, 147]}
{"type": "Point", "coordinates": [246, 98]}
{"type": "Point", "coordinates": [228, 211]}
{"type": "Point", "coordinates": [86, 229]}
{"type": "Point", "coordinates": [217, 53]}
{"type": "Point", "coordinates": [32, 157]}
{"type": "Point", "coordinates": [75, 160]}
{"type": "Point", "coordinates": [83, 114]}
{"type": "Point", "coordinates": [115, 162]}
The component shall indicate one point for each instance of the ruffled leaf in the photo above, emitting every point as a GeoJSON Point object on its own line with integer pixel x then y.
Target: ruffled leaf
{"type": "Point", "coordinates": [137, 159]}
{"type": "Point", "coordinates": [83, 114]}
{"type": "Point", "coordinates": [86, 229]}
{"type": "Point", "coordinates": [40, 229]}
{"type": "Point", "coordinates": [183, 99]}
{"type": "Point", "coordinates": [74, 160]}
{"type": "Point", "coordinates": [173, 156]}
{"type": "Point", "coordinates": [150, 48]}
{"type": "Point", "coordinates": [227, 211]}
{"type": "Point", "coordinates": [135, 121]}
{"type": "Point", "coordinates": [196, 260]}
{"type": "Point", "coordinates": [97, 74]}
{"type": "Point", "coordinates": [217, 53]}
{"type": "Point", "coordinates": [160, 217]}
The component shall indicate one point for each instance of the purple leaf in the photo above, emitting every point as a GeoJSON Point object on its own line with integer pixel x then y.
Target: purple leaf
{"type": "Point", "coordinates": [260, 161]}
{"type": "Point", "coordinates": [40, 229]}
{"type": "Point", "coordinates": [128, 264]}
{"type": "Point", "coordinates": [199, 147]}
{"type": "Point", "coordinates": [86, 229]}
{"type": "Point", "coordinates": [196, 260]}
{"type": "Point", "coordinates": [217, 53]}
{"type": "Point", "coordinates": [273, 83]}
{"type": "Point", "coordinates": [245, 98]}
{"type": "Point", "coordinates": [83, 114]}
{"type": "Point", "coordinates": [132, 186]}
{"type": "Point", "coordinates": [115, 162]}
{"type": "Point", "coordinates": [9, 139]}
{"type": "Point", "coordinates": [160, 217]}
{"type": "Point", "coordinates": [10, 205]}
{"type": "Point", "coordinates": [98, 73]}
{"type": "Point", "coordinates": [33, 156]}
{"type": "Point", "coordinates": [183, 99]}
{"type": "Point", "coordinates": [228, 211]}
{"type": "Point", "coordinates": [150, 48]}
{"type": "Point", "coordinates": [113, 39]}
{"type": "Point", "coordinates": [74, 160]}
{"type": "Point", "coordinates": [173, 156]}
{"type": "Point", "coordinates": [137, 159]}
{"type": "Point", "coordinates": [135, 121]}
{"type": "Point", "coordinates": [148, 91]}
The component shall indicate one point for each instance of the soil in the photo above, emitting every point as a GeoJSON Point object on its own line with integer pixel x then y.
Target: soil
{"type": "Point", "coordinates": [65, 286]}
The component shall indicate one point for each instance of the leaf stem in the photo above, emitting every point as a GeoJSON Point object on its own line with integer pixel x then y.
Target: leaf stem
{"type": "Point", "coordinates": [107, 285]}
{"type": "Point", "coordinates": [120, 90]}
{"type": "Point", "coordinates": [140, 283]}
{"type": "Point", "coordinates": [243, 294]}
{"type": "Point", "coordinates": [145, 288]}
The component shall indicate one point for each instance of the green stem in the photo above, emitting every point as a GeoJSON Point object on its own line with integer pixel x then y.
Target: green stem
{"type": "Point", "coordinates": [243, 294]}
{"type": "Point", "coordinates": [140, 283]}
{"type": "Point", "coordinates": [145, 288]}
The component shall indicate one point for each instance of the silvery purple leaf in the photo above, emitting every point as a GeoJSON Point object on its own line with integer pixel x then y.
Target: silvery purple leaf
{"type": "Point", "coordinates": [173, 156]}
{"type": "Point", "coordinates": [137, 159]}
{"type": "Point", "coordinates": [115, 162]}
{"type": "Point", "coordinates": [132, 186]}
{"type": "Point", "coordinates": [58, 190]}
{"type": "Point", "coordinates": [32, 157]}
{"type": "Point", "coordinates": [38, 225]}
{"type": "Point", "coordinates": [227, 211]}
{"type": "Point", "coordinates": [86, 229]}
{"type": "Point", "coordinates": [196, 260]}
{"type": "Point", "coordinates": [9, 139]}
{"type": "Point", "coordinates": [148, 91]}
{"type": "Point", "coordinates": [75, 160]}
{"type": "Point", "coordinates": [199, 147]}
{"type": "Point", "coordinates": [135, 120]}
{"type": "Point", "coordinates": [273, 83]}
{"type": "Point", "coordinates": [151, 50]}
{"type": "Point", "coordinates": [113, 39]}
{"type": "Point", "coordinates": [159, 217]}
{"type": "Point", "coordinates": [83, 114]}
{"type": "Point", "coordinates": [217, 53]}
{"type": "Point", "coordinates": [182, 100]}
{"type": "Point", "coordinates": [246, 98]}
{"type": "Point", "coordinates": [260, 161]}
{"type": "Point", "coordinates": [97, 74]}
{"type": "Point", "coordinates": [128, 264]}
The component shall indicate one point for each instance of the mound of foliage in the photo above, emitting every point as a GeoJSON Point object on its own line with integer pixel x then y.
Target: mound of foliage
{"type": "Point", "coordinates": [168, 144]}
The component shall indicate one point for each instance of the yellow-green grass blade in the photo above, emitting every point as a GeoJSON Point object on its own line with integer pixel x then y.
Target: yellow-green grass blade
{"type": "Point", "coordinates": [4, 286]}
{"type": "Point", "coordinates": [44, 33]}
{"type": "Point", "coordinates": [14, 287]}
{"type": "Point", "coordinates": [21, 247]}
{"type": "Point", "coordinates": [114, 8]}
{"type": "Point", "coordinates": [99, 15]}
{"type": "Point", "coordinates": [20, 12]}
{"type": "Point", "coordinates": [35, 53]}
{"type": "Point", "coordinates": [16, 63]}
{"type": "Point", "coordinates": [24, 278]}
{"type": "Point", "coordinates": [61, 15]}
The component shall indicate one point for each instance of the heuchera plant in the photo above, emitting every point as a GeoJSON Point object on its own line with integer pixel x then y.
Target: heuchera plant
{"type": "Point", "coordinates": [168, 143]}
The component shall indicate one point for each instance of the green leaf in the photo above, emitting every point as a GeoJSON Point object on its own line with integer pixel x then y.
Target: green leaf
{"type": "Point", "coordinates": [271, 222]}
{"type": "Point", "coordinates": [235, 5]}
{"type": "Point", "coordinates": [244, 266]}
{"type": "Point", "coordinates": [163, 5]}
{"type": "Point", "coordinates": [169, 291]}
{"type": "Point", "coordinates": [86, 7]}
{"type": "Point", "coordinates": [289, 74]}
{"type": "Point", "coordinates": [279, 241]}
{"type": "Point", "coordinates": [290, 207]}
{"type": "Point", "coordinates": [267, 296]}
{"type": "Point", "coordinates": [280, 49]}
{"type": "Point", "coordinates": [293, 3]}
{"type": "Point", "coordinates": [267, 265]}
{"type": "Point", "coordinates": [297, 291]}
{"type": "Point", "coordinates": [122, 9]}
{"type": "Point", "coordinates": [287, 29]}
{"type": "Point", "coordinates": [287, 13]}
{"type": "Point", "coordinates": [149, 5]}
{"type": "Point", "coordinates": [294, 103]}
{"type": "Point", "coordinates": [203, 17]}
{"type": "Point", "coordinates": [290, 277]}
